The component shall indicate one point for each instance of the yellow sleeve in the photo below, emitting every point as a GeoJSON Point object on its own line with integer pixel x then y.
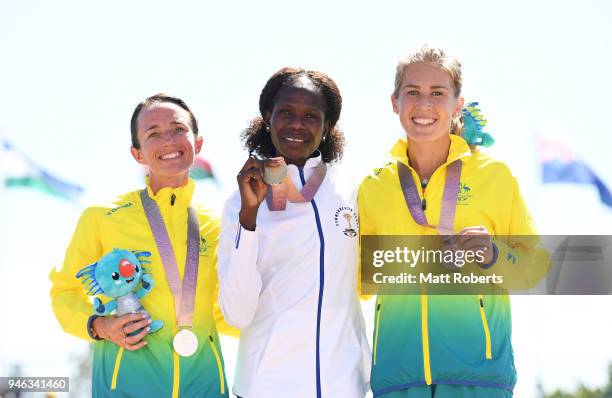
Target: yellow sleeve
{"type": "Point", "coordinates": [71, 305]}
{"type": "Point", "coordinates": [222, 326]}
{"type": "Point", "coordinates": [521, 259]}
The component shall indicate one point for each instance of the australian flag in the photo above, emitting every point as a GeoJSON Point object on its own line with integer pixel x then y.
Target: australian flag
{"type": "Point", "coordinates": [559, 164]}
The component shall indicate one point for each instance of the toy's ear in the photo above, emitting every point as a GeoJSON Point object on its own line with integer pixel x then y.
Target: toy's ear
{"type": "Point", "coordinates": [141, 253]}
{"type": "Point", "coordinates": [87, 276]}
{"type": "Point", "coordinates": [140, 256]}
{"type": "Point", "coordinates": [89, 270]}
{"type": "Point", "coordinates": [94, 288]}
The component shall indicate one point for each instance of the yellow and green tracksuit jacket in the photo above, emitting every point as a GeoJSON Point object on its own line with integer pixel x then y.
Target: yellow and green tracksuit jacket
{"type": "Point", "coordinates": [154, 370]}
{"type": "Point", "coordinates": [465, 340]}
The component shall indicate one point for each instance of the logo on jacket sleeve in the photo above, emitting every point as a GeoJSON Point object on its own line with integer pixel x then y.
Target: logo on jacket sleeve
{"type": "Point", "coordinates": [115, 209]}
{"type": "Point", "coordinates": [346, 219]}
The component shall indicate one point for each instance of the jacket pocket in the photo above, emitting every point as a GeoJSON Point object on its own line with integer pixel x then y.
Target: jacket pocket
{"type": "Point", "coordinates": [485, 327]}
{"type": "Point", "coordinates": [113, 385]}
{"type": "Point", "coordinates": [376, 328]}
{"type": "Point", "coordinates": [219, 364]}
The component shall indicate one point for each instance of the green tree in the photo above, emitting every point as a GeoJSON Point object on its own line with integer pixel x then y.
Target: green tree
{"type": "Point", "coordinates": [585, 392]}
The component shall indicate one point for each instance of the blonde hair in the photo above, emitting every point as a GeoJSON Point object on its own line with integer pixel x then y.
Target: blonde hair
{"type": "Point", "coordinates": [436, 57]}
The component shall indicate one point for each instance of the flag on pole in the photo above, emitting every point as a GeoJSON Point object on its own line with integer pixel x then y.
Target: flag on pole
{"type": "Point", "coordinates": [18, 170]}
{"type": "Point", "coordinates": [560, 164]}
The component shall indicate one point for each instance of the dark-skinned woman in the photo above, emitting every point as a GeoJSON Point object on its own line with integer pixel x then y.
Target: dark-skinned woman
{"type": "Point", "coordinates": [288, 250]}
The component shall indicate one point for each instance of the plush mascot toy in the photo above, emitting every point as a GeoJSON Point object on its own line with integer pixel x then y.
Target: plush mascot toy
{"type": "Point", "coordinates": [117, 275]}
{"type": "Point", "coordinates": [473, 124]}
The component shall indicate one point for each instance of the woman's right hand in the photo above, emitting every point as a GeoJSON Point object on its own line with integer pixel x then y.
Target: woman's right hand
{"type": "Point", "coordinates": [117, 329]}
{"type": "Point", "coordinates": [253, 191]}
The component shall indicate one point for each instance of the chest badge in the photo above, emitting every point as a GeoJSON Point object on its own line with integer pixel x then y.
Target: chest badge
{"type": "Point", "coordinates": [203, 246]}
{"type": "Point", "coordinates": [346, 219]}
{"type": "Point", "coordinates": [465, 193]}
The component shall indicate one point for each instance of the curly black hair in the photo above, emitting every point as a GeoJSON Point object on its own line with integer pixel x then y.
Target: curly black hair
{"type": "Point", "coordinates": [257, 140]}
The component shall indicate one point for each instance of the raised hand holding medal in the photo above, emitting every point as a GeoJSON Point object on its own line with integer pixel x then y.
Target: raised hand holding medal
{"type": "Point", "coordinates": [276, 186]}
{"type": "Point", "coordinates": [257, 179]}
{"type": "Point", "coordinates": [253, 191]}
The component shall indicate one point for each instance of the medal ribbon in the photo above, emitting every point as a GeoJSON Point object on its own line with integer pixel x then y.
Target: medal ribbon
{"type": "Point", "coordinates": [449, 197]}
{"type": "Point", "coordinates": [184, 296]}
{"type": "Point", "coordinates": [278, 194]}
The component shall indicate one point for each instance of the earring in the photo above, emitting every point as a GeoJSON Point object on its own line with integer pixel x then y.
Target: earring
{"type": "Point", "coordinates": [267, 128]}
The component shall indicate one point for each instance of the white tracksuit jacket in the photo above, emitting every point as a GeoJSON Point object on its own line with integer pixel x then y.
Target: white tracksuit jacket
{"type": "Point", "coordinates": [290, 286]}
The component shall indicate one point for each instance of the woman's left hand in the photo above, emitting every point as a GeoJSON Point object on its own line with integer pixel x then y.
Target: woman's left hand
{"type": "Point", "coordinates": [476, 238]}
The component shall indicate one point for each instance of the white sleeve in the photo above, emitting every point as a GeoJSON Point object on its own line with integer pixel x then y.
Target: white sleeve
{"type": "Point", "coordinates": [239, 279]}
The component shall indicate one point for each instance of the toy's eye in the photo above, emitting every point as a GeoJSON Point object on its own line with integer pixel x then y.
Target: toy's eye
{"type": "Point", "coordinates": [136, 268]}
{"type": "Point", "coordinates": [115, 276]}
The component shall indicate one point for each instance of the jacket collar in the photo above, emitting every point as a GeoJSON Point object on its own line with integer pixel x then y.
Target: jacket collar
{"type": "Point", "coordinates": [311, 163]}
{"type": "Point", "coordinates": [307, 169]}
{"type": "Point", "coordinates": [182, 195]}
{"type": "Point", "coordinates": [314, 161]}
{"type": "Point", "coordinates": [458, 149]}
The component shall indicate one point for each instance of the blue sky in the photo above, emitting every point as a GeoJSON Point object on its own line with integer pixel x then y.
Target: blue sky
{"type": "Point", "coordinates": [72, 73]}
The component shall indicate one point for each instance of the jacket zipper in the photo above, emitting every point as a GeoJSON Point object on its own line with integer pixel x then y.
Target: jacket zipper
{"type": "Point", "coordinates": [376, 328]}
{"type": "Point", "coordinates": [219, 365]}
{"type": "Point", "coordinates": [116, 369]}
{"type": "Point", "coordinates": [321, 285]}
{"type": "Point", "coordinates": [485, 326]}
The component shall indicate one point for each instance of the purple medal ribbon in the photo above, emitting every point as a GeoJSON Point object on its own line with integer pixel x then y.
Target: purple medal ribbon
{"type": "Point", "coordinates": [449, 197]}
{"type": "Point", "coordinates": [276, 197]}
{"type": "Point", "coordinates": [278, 194]}
{"type": "Point", "coordinates": [184, 296]}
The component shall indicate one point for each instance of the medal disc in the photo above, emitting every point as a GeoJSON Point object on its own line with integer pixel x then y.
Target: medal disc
{"type": "Point", "coordinates": [185, 343]}
{"type": "Point", "coordinates": [275, 175]}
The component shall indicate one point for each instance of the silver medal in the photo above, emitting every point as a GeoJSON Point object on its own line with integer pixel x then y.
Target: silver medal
{"type": "Point", "coordinates": [185, 343]}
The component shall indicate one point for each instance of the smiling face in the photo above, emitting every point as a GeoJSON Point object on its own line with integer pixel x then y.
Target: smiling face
{"type": "Point", "coordinates": [167, 144]}
{"type": "Point", "coordinates": [297, 121]}
{"type": "Point", "coordinates": [119, 273]}
{"type": "Point", "coordinates": [426, 102]}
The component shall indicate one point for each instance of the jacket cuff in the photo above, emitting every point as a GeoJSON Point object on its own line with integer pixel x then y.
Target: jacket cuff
{"type": "Point", "coordinates": [90, 327]}
{"type": "Point", "coordinates": [244, 236]}
{"type": "Point", "coordinates": [493, 260]}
